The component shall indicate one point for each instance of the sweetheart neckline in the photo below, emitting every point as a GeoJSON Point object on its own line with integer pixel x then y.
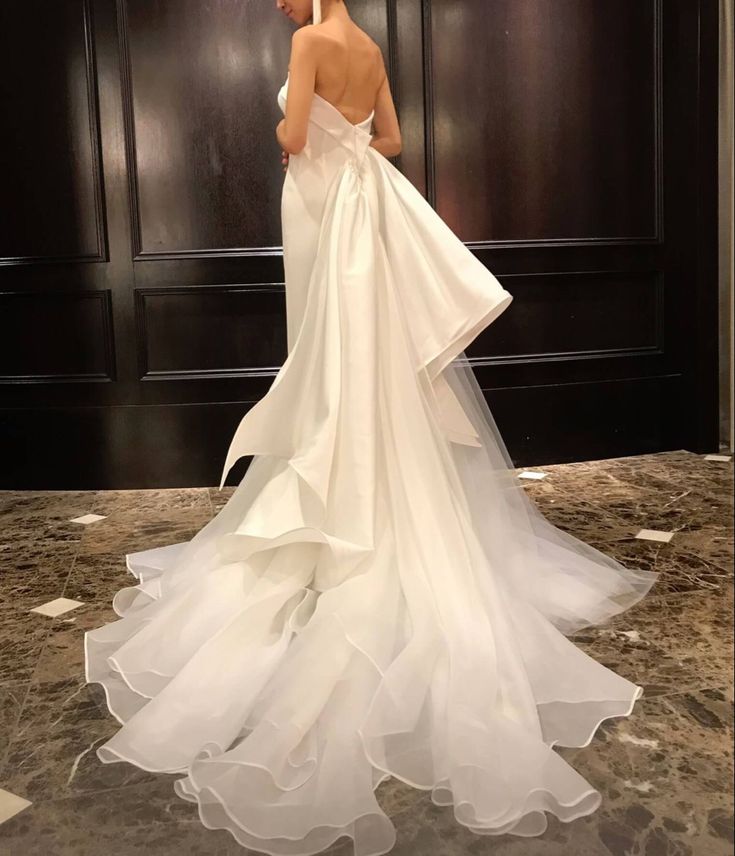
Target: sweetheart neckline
{"type": "Point", "coordinates": [338, 111]}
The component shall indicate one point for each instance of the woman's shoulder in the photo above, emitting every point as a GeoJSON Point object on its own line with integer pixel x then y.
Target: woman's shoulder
{"type": "Point", "coordinates": [327, 46]}
{"type": "Point", "coordinates": [324, 33]}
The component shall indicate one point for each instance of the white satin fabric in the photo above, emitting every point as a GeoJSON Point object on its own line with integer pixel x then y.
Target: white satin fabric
{"type": "Point", "coordinates": [379, 597]}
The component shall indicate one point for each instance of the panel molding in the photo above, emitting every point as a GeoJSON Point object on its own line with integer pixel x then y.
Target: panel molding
{"type": "Point", "coordinates": [145, 373]}
{"type": "Point", "coordinates": [633, 240]}
{"type": "Point", "coordinates": [657, 283]}
{"type": "Point", "coordinates": [131, 157]}
{"type": "Point", "coordinates": [587, 355]}
{"type": "Point", "coordinates": [138, 253]}
{"type": "Point", "coordinates": [104, 297]}
{"type": "Point", "coordinates": [91, 462]}
{"type": "Point", "coordinates": [95, 135]}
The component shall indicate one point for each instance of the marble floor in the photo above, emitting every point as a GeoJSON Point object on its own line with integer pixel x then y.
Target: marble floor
{"type": "Point", "coordinates": [665, 772]}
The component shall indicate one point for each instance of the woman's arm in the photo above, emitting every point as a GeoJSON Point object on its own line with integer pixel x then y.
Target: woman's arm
{"type": "Point", "coordinates": [387, 147]}
{"type": "Point", "coordinates": [292, 129]}
{"type": "Point", "coordinates": [387, 137]}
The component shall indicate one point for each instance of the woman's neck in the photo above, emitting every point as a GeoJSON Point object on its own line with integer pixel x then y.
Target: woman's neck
{"type": "Point", "coordinates": [334, 10]}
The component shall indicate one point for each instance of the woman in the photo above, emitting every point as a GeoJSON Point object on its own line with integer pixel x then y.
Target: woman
{"type": "Point", "coordinates": [378, 597]}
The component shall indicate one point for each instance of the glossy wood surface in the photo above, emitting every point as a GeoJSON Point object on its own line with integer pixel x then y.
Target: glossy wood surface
{"type": "Point", "coordinates": [570, 143]}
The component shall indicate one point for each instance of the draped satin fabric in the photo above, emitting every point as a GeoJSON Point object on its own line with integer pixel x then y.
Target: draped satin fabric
{"type": "Point", "coordinates": [379, 597]}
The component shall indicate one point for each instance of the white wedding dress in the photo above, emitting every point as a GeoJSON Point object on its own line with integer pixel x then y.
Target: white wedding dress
{"type": "Point", "coordinates": [378, 597]}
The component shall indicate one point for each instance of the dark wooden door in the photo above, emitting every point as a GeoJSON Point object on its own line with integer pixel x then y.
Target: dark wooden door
{"type": "Point", "coordinates": [570, 143]}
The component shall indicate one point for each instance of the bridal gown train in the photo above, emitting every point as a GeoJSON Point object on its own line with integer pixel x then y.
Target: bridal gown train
{"type": "Point", "coordinates": [378, 597]}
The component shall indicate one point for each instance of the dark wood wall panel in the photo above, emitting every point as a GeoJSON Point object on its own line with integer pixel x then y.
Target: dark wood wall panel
{"type": "Point", "coordinates": [610, 418]}
{"type": "Point", "coordinates": [582, 315]}
{"type": "Point", "coordinates": [550, 133]}
{"type": "Point", "coordinates": [192, 439]}
{"type": "Point", "coordinates": [56, 337]}
{"type": "Point", "coordinates": [570, 143]}
{"type": "Point", "coordinates": [200, 98]}
{"type": "Point", "coordinates": [201, 111]}
{"type": "Point", "coordinates": [108, 445]}
{"type": "Point", "coordinates": [211, 331]}
{"type": "Point", "coordinates": [52, 196]}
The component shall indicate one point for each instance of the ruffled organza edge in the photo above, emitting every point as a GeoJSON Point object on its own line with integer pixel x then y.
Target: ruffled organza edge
{"type": "Point", "coordinates": [551, 803]}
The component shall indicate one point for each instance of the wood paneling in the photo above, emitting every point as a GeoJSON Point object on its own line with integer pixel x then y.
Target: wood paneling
{"type": "Point", "coordinates": [56, 337]}
{"type": "Point", "coordinates": [200, 96]}
{"type": "Point", "coordinates": [551, 133]}
{"type": "Point", "coordinates": [52, 194]}
{"type": "Point", "coordinates": [570, 143]}
{"type": "Point", "coordinates": [211, 331]}
{"type": "Point", "coordinates": [577, 316]}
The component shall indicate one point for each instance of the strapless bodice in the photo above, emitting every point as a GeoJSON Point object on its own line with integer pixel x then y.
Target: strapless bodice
{"type": "Point", "coordinates": [326, 119]}
{"type": "Point", "coordinates": [326, 115]}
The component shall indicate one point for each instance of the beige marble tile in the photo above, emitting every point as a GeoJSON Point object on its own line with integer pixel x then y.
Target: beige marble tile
{"type": "Point", "coordinates": [659, 535]}
{"type": "Point", "coordinates": [87, 519]}
{"type": "Point", "coordinates": [57, 606]}
{"type": "Point", "coordinates": [10, 805]}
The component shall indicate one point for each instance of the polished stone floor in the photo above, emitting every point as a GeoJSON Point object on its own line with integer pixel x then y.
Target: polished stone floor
{"type": "Point", "coordinates": [665, 772]}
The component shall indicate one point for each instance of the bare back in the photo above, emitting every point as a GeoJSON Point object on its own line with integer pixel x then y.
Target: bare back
{"type": "Point", "coordinates": [341, 64]}
{"type": "Point", "coordinates": [350, 69]}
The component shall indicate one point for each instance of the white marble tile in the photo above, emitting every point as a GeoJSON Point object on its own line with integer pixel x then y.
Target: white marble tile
{"type": "Point", "coordinates": [57, 607]}
{"type": "Point", "coordinates": [655, 535]}
{"type": "Point", "coordinates": [527, 474]}
{"type": "Point", "coordinates": [718, 457]}
{"type": "Point", "coordinates": [87, 518]}
{"type": "Point", "coordinates": [11, 804]}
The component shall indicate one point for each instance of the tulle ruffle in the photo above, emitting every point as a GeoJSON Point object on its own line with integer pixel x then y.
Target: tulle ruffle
{"type": "Point", "coordinates": [283, 694]}
{"type": "Point", "coordinates": [379, 597]}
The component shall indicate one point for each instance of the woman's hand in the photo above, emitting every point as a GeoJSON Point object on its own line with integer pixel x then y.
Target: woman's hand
{"type": "Point", "coordinates": [280, 129]}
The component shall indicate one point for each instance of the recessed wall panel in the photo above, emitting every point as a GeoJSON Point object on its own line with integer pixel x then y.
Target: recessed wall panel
{"type": "Point", "coordinates": [547, 130]}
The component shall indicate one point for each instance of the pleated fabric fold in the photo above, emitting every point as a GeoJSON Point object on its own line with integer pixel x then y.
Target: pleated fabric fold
{"type": "Point", "coordinates": [378, 597]}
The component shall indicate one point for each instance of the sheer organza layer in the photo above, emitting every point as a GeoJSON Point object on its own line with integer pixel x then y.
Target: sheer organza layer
{"type": "Point", "coordinates": [378, 597]}
{"type": "Point", "coordinates": [284, 700]}
{"type": "Point", "coordinates": [441, 660]}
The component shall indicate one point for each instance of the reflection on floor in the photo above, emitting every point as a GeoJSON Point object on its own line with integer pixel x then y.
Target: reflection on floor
{"type": "Point", "coordinates": [665, 772]}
